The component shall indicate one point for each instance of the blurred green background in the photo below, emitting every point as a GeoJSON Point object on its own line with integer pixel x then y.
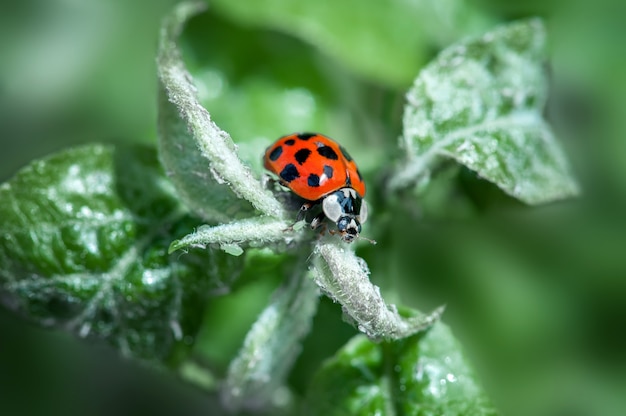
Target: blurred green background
{"type": "Point", "coordinates": [537, 295]}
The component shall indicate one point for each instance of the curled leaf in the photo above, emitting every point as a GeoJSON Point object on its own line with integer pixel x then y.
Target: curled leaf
{"type": "Point", "coordinates": [200, 158]}
{"type": "Point", "coordinates": [253, 232]}
{"type": "Point", "coordinates": [258, 372]}
{"type": "Point", "coordinates": [344, 278]}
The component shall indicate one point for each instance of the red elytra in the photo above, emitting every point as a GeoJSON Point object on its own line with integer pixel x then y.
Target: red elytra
{"type": "Point", "coordinates": [313, 165]}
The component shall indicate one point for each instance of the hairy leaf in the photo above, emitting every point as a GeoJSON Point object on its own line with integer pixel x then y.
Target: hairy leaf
{"type": "Point", "coordinates": [83, 246]}
{"type": "Point", "coordinates": [344, 277]}
{"type": "Point", "coordinates": [423, 375]}
{"type": "Point", "coordinates": [481, 103]}
{"type": "Point", "coordinates": [199, 157]}
{"type": "Point", "coordinates": [254, 231]}
{"type": "Point", "coordinates": [258, 372]}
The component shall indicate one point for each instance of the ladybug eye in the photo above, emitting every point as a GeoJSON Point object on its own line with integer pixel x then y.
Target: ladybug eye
{"type": "Point", "coordinates": [332, 208]}
{"type": "Point", "coordinates": [363, 212]}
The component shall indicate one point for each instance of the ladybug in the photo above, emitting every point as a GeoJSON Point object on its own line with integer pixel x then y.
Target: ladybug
{"type": "Point", "coordinates": [321, 171]}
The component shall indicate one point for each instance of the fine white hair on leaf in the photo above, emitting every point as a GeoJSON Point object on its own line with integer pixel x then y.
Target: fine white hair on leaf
{"type": "Point", "coordinates": [272, 345]}
{"type": "Point", "coordinates": [190, 141]}
{"type": "Point", "coordinates": [481, 103]}
{"type": "Point", "coordinates": [343, 277]}
{"type": "Point", "coordinates": [252, 232]}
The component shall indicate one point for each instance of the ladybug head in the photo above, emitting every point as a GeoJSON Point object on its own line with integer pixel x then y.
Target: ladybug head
{"type": "Point", "coordinates": [345, 208]}
{"type": "Point", "coordinates": [349, 228]}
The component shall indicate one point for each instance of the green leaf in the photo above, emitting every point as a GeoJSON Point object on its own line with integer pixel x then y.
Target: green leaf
{"type": "Point", "coordinates": [199, 157]}
{"type": "Point", "coordinates": [424, 375]}
{"type": "Point", "coordinates": [344, 277]}
{"type": "Point", "coordinates": [83, 246]}
{"type": "Point", "coordinates": [481, 103]}
{"type": "Point", "coordinates": [256, 375]}
{"type": "Point", "coordinates": [359, 33]}
{"type": "Point", "coordinates": [254, 232]}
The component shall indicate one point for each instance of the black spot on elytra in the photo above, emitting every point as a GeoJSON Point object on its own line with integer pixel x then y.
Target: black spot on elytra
{"type": "Point", "coordinates": [276, 153]}
{"type": "Point", "coordinates": [348, 180]}
{"type": "Point", "coordinates": [302, 155]}
{"type": "Point", "coordinates": [327, 152]}
{"type": "Point", "coordinates": [289, 173]}
{"type": "Point", "coordinates": [328, 171]}
{"type": "Point", "coordinates": [290, 142]}
{"type": "Point", "coordinates": [313, 180]}
{"type": "Point", "coordinates": [306, 136]}
{"type": "Point", "coordinates": [345, 153]}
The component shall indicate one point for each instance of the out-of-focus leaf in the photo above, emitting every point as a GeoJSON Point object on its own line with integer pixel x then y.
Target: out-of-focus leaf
{"type": "Point", "coordinates": [199, 157]}
{"type": "Point", "coordinates": [257, 374]}
{"type": "Point", "coordinates": [83, 246]}
{"type": "Point", "coordinates": [260, 84]}
{"type": "Point", "coordinates": [481, 103]}
{"type": "Point", "coordinates": [220, 339]}
{"type": "Point", "coordinates": [424, 375]}
{"type": "Point", "coordinates": [385, 41]}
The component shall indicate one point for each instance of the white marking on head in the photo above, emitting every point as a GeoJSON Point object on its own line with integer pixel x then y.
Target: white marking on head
{"type": "Point", "coordinates": [349, 193]}
{"type": "Point", "coordinates": [332, 208]}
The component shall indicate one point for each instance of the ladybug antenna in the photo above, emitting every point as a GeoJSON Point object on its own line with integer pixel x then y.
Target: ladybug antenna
{"type": "Point", "coordinates": [372, 242]}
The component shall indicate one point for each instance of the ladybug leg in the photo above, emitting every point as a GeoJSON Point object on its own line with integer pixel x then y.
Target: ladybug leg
{"type": "Point", "coordinates": [319, 223]}
{"type": "Point", "coordinates": [301, 214]}
{"type": "Point", "coordinates": [269, 182]}
{"type": "Point", "coordinates": [303, 210]}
